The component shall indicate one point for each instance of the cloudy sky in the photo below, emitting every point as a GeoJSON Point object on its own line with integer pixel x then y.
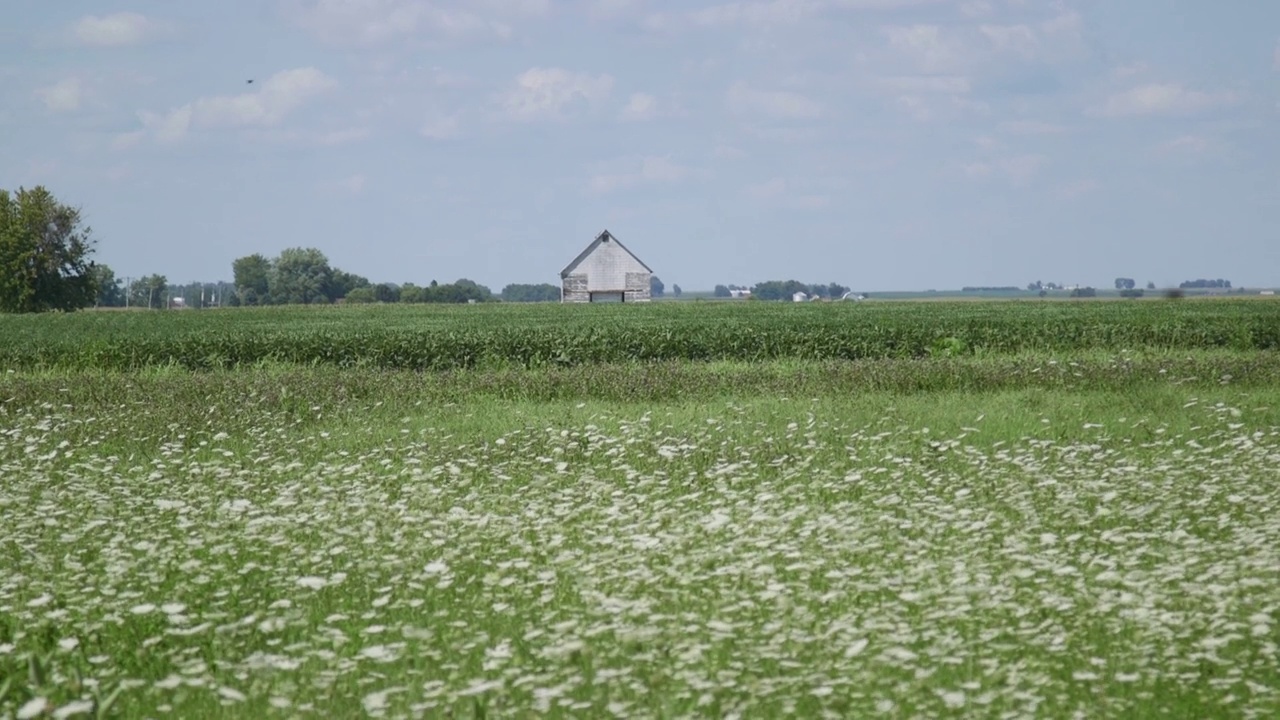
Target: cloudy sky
{"type": "Point", "coordinates": [883, 144]}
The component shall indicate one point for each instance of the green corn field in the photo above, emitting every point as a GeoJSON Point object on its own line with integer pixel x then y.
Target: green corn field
{"type": "Point", "coordinates": [533, 336]}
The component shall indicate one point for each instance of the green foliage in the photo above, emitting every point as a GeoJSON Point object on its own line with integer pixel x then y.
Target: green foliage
{"type": "Point", "coordinates": [44, 254]}
{"type": "Point", "coordinates": [778, 289]}
{"type": "Point", "coordinates": [1084, 292]}
{"type": "Point", "coordinates": [1202, 283]}
{"type": "Point", "coordinates": [149, 292]}
{"type": "Point", "coordinates": [461, 291]}
{"type": "Point", "coordinates": [1125, 283]}
{"type": "Point", "coordinates": [111, 292]}
{"type": "Point", "coordinates": [361, 296]}
{"type": "Point", "coordinates": [544, 335]}
{"type": "Point", "coordinates": [301, 276]}
{"type": "Point", "coordinates": [656, 288]}
{"type": "Point", "coordinates": [298, 276]}
{"type": "Point", "coordinates": [341, 283]}
{"type": "Point", "coordinates": [542, 292]}
{"type": "Point", "coordinates": [252, 277]}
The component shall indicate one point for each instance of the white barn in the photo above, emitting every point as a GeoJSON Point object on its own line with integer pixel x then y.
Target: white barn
{"type": "Point", "coordinates": [605, 272]}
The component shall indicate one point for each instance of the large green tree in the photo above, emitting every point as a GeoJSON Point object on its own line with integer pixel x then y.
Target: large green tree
{"type": "Point", "coordinates": [252, 277]}
{"type": "Point", "coordinates": [110, 290]}
{"type": "Point", "coordinates": [301, 276]}
{"type": "Point", "coordinates": [541, 292]}
{"type": "Point", "coordinates": [44, 254]}
{"type": "Point", "coordinates": [149, 291]}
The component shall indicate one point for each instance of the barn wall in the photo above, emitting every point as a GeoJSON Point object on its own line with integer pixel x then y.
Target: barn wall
{"type": "Point", "coordinates": [575, 288]}
{"type": "Point", "coordinates": [607, 268]}
{"type": "Point", "coordinates": [637, 288]}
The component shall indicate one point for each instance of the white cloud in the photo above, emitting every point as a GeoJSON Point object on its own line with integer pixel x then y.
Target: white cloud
{"type": "Point", "coordinates": [1162, 99]}
{"type": "Point", "coordinates": [1190, 146]}
{"type": "Point", "coordinates": [931, 49]}
{"type": "Point", "coordinates": [640, 106]}
{"type": "Point", "coordinates": [1018, 39]}
{"type": "Point", "coordinates": [119, 29]}
{"type": "Point", "coordinates": [375, 22]}
{"type": "Point", "coordinates": [651, 170]}
{"type": "Point", "coordinates": [754, 13]}
{"type": "Point", "coordinates": [780, 192]}
{"type": "Point", "coordinates": [729, 152]}
{"type": "Point", "coordinates": [62, 96]}
{"type": "Point", "coordinates": [277, 97]}
{"type": "Point", "coordinates": [781, 104]}
{"type": "Point", "coordinates": [1018, 169]}
{"type": "Point", "coordinates": [945, 84]}
{"type": "Point", "coordinates": [440, 126]}
{"type": "Point", "coordinates": [355, 184]}
{"type": "Point", "coordinates": [1079, 188]}
{"type": "Point", "coordinates": [1126, 71]}
{"type": "Point", "coordinates": [548, 93]}
{"type": "Point", "coordinates": [1031, 127]}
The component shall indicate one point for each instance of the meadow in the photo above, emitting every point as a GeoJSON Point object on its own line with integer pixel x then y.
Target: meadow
{"type": "Point", "coordinates": [968, 510]}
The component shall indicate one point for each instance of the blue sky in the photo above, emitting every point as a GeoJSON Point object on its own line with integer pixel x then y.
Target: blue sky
{"type": "Point", "coordinates": [883, 144]}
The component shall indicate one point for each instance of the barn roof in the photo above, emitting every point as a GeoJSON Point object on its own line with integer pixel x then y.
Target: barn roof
{"type": "Point", "coordinates": [602, 237]}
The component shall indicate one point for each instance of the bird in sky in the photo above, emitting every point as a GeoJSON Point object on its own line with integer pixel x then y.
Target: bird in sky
{"type": "Point", "coordinates": [249, 82]}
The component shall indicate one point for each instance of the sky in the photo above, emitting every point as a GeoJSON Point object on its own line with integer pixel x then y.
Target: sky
{"type": "Point", "coordinates": [881, 144]}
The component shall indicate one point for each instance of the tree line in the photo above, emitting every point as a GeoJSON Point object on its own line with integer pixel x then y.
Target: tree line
{"type": "Point", "coordinates": [46, 265]}
{"type": "Point", "coordinates": [783, 290]}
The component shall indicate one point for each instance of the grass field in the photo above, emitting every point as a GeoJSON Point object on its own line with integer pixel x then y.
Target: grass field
{"type": "Point", "coordinates": [1010, 524]}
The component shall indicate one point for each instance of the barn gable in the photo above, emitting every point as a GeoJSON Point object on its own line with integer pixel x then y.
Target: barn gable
{"type": "Point", "coordinates": [606, 271]}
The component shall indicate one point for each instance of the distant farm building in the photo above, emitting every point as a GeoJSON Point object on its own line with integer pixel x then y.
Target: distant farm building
{"type": "Point", "coordinates": [605, 272]}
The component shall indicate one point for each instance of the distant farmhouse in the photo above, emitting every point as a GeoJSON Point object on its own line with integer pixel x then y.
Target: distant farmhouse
{"type": "Point", "coordinates": [605, 272]}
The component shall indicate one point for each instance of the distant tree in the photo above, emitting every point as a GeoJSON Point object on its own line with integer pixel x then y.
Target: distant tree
{"type": "Point", "coordinates": [460, 291]}
{"type": "Point", "coordinates": [1151, 285]}
{"type": "Point", "coordinates": [1132, 293]}
{"type": "Point", "coordinates": [778, 289]}
{"type": "Point", "coordinates": [360, 296]}
{"type": "Point", "coordinates": [1033, 287]}
{"type": "Point", "coordinates": [1125, 283]}
{"type": "Point", "coordinates": [110, 290]}
{"type": "Point", "coordinates": [150, 292]}
{"type": "Point", "coordinates": [1084, 292]}
{"type": "Point", "coordinates": [675, 290]}
{"type": "Point", "coordinates": [836, 290]}
{"type": "Point", "coordinates": [410, 293]}
{"type": "Point", "coordinates": [252, 277]}
{"type": "Point", "coordinates": [342, 282]}
{"type": "Point", "coordinates": [542, 292]}
{"type": "Point", "coordinates": [722, 291]}
{"type": "Point", "coordinates": [382, 292]}
{"type": "Point", "coordinates": [655, 286]}
{"type": "Point", "coordinates": [44, 254]}
{"type": "Point", "coordinates": [1043, 293]}
{"type": "Point", "coordinates": [1202, 283]}
{"type": "Point", "coordinates": [301, 276]}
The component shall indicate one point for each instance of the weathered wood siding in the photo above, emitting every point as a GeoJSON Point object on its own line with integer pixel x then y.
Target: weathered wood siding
{"type": "Point", "coordinates": [608, 268]}
{"type": "Point", "coordinates": [637, 287]}
{"type": "Point", "coordinates": [575, 288]}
